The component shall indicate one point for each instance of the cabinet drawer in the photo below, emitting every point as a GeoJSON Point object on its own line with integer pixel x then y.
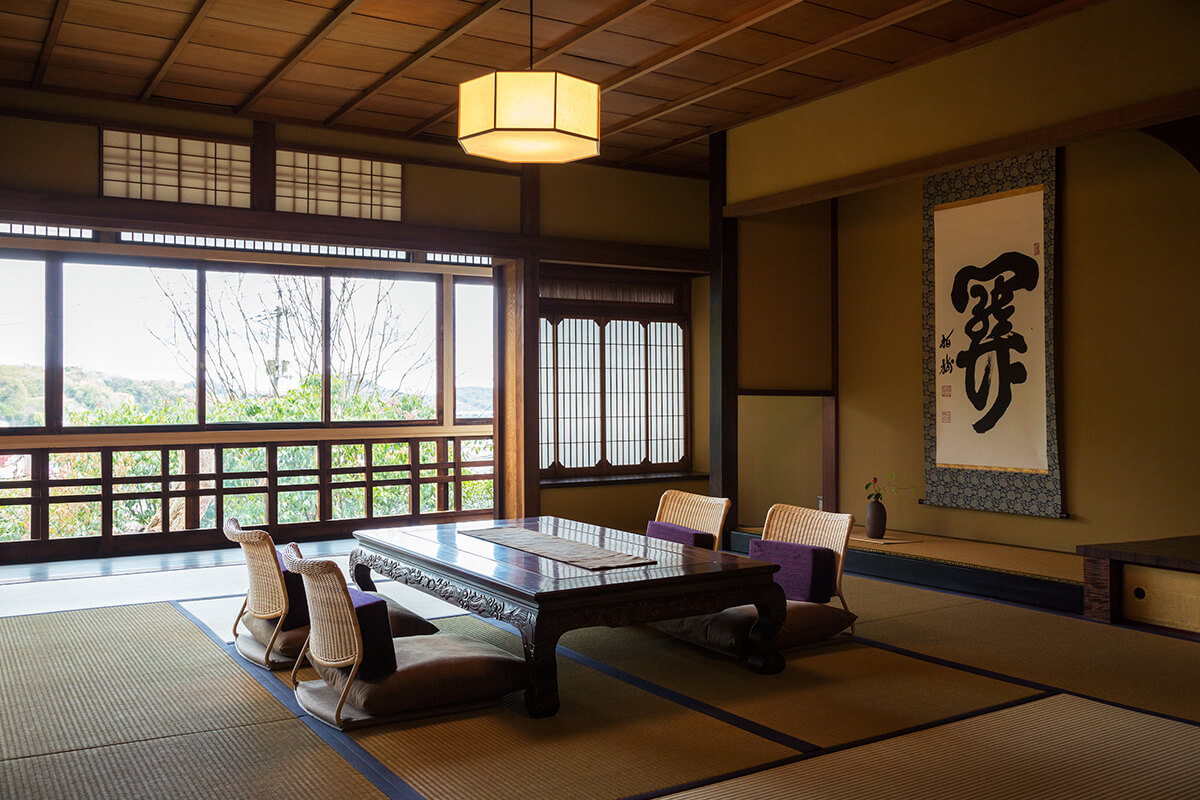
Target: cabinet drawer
{"type": "Point", "coordinates": [1164, 597]}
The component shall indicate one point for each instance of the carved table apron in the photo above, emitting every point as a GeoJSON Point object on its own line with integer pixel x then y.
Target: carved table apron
{"type": "Point", "coordinates": [543, 598]}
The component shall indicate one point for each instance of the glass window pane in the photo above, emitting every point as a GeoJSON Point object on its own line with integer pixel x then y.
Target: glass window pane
{"type": "Point", "coordinates": [70, 520]}
{"type": "Point", "coordinates": [474, 338]}
{"type": "Point", "coordinates": [665, 376]}
{"type": "Point", "coordinates": [391, 501]}
{"type": "Point", "coordinates": [349, 503]}
{"type": "Point", "coordinates": [15, 520]}
{"type": "Point", "coordinates": [383, 349]}
{"type": "Point", "coordinates": [22, 343]}
{"type": "Point", "coordinates": [579, 388]}
{"type": "Point", "coordinates": [297, 507]}
{"type": "Point", "coordinates": [625, 392]}
{"type": "Point", "coordinates": [263, 348]}
{"type": "Point", "coordinates": [129, 345]}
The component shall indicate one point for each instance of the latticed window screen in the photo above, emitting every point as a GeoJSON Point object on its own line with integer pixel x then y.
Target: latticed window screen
{"type": "Point", "coordinates": [611, 394]}
{"type": "Point", "coordinates": [149, 167]}
{"type": "Point", "coordinates": [313, 183]}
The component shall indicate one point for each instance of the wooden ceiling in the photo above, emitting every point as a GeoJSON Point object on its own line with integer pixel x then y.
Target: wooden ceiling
{"type": "Point", "coordinates": [671, 71]}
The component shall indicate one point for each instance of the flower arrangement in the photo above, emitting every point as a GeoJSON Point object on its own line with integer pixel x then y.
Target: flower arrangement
{"type": "Point", "coordinates": [875, 489]}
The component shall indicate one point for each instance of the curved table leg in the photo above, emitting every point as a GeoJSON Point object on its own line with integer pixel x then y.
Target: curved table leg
{"type": "Point", "coordinates": [761, 653]}
{"type": "Point", "coordinates": [361, 573]}
{"type": "Point", "coordinates": [541, 693]}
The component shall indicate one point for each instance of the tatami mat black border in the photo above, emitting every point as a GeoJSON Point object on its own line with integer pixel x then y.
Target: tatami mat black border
{"type": "Point", "coordinates": [380, 776]}
{"type": "Point", "coordinates": [679, 698]}
{"type": "Point", "coordinates": [1000, 676]}
{"type": "Point", "coordinates": [762, 731]}
{"type": "Point", "coordinates": [824, 751]}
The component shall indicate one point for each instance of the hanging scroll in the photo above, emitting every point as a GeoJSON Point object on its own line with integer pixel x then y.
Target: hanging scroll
{"type": "Point", "coordinates": [990, 428]}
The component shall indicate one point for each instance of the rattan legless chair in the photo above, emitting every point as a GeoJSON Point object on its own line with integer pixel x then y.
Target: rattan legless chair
{"type": "Point", "coordinates": [814, 528]}
{"type": "Point", "coordinates": [809, 546]}
{"type": "Point", "coordinates": [416, 676]}
{"type": "Point", "coordinates": [695, 511]}
{"type": "Point", "coordinates": [276, 630]}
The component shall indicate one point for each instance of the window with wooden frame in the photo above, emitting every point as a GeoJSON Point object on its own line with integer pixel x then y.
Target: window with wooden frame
{"type": "Point", "coordinates": [199, 374]}
{"type": "Point", "coordinates": [342, 186]}
{"type": "Point", "coordinates": [613, 373]}
{"type": "Point", "coordinates": [175, 169]}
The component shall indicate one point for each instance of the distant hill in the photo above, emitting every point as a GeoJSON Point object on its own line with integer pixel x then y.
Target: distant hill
{"type": "Point", "coordinates": [473, 401]}
{"type": "Point", "coordinates": [22, 393]}
{"type": "Point", "coordinates": [86, 389]}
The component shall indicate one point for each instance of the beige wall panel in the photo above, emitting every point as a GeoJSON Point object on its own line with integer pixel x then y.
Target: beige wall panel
{"type": "Point", "coordinates": [628, 506]}
{"type": "Point", "coordinates": [133, 115]}
{"type": "Point", "coordinates": [301, 136]}
{"type": "Point", "coordinates": [49, 156]}
{"type": "Point", "coordinates": [1128, 277]}
{"type": "Point", "coordinates": [779, 454]}
{"type": "Point", "coordinates": [784, 314]}
{"type": "Point", "coordinates": [456, 198]}
{"type": "Point", "coordinates": [700, 373]}
{"type": "Point", "coordinates": [1102, 58]}
{"type": "Point", "coordinates": [615, 205]}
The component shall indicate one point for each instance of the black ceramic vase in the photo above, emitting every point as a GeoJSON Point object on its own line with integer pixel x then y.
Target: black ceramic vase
{"type": "Point", "coordinates": [876, 519]}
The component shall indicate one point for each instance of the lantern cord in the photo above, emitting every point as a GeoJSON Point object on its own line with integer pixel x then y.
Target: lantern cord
{"type": "Point", "coordinates": [531, 35]}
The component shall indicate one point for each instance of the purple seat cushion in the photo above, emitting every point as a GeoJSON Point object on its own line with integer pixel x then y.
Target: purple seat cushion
{"type": "Point", "coordinates": [678, 533]}
{"type": "Point", "coordinates": [807, 574]}
{"type": "Point", "coordinates": [293, 584]}
{"type": "Point", "coordinates": [379, 657]}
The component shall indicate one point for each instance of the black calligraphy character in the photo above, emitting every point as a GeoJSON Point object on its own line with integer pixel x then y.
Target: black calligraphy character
{"type": "Point", "coordinates": [991, 332]}
{"type": "Point", "coordinates": [947, 366]}
{"type": "Point", "coordinates": [944, 342]}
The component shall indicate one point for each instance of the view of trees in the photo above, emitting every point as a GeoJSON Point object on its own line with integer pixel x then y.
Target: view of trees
{"type": "Point", "coordinates": [263, 360]}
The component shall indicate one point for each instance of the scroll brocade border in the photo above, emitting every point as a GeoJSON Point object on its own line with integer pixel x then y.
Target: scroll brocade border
{"type": "Point", "coordinates": [1031, 494]}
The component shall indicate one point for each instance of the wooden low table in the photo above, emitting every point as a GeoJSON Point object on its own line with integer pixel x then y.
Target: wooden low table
{"type": "Point", "coordinates": [1104, 569]}
{"type": "Point", "coordinates": [544, 598]}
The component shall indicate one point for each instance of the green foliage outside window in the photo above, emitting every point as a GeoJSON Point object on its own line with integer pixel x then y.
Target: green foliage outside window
{"type": "Point", "coordinates": [301, 403]}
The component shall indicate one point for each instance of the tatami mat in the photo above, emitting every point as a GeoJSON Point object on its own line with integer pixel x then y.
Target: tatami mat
{"type": "Point", "coordinates": [281, 760]}
{"type": "Point", "coordinates": [608, 740]}
{"type": "Point", "coordinates": [1061, 747]}
{"type": "Point", "coordinates": [831, 694]}
{"type": "Point", "coordinates": [1121, 665]}
{"type": "Point", "coordinates": [97, 677]}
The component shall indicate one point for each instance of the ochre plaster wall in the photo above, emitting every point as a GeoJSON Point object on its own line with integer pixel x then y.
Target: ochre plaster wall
{"type": "Point", "coordinates": [779, 454]}
{"type": "Point", "coordinates": [578, 200]}
{"type": "Point", "coordinates": [49, 156]}
{"type": "Point", "coordinates": [1128, 279]}
{"type": "Point", "coordinates": [784, 310]}
{"type": "Point", "coordinates": [1104, 57]}
{"type": "Point", "coordinates": [628, 506]}
{"type": "Point", "coordinates": [586, 202]}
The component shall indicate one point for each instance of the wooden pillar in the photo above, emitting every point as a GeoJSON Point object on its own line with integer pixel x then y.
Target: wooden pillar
{"type": "Point", "coordinates": [829, 405]}
{"type": "Point", "coordinates": [517, 490]}
{"type": "Point", "coordinates": [723, 308]}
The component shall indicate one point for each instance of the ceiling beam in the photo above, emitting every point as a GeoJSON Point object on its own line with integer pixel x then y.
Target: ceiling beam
{"type": "Point", "coordinates": [788, 59]}
{"type": "Point", "coordinates": [197, 17]}
{"type": "Point", "coordinates": [56, 21]}
{"type": "Point", "coordinates": [430, 48]}
{"type": "Point", "coordinates": [971, 40]}
{"type": "Point", "coordinates": [595, 25]}
{"type": "Point", "coordinates": [334, 19]}
{"type": "Point", "coordinates": [700, 41]}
